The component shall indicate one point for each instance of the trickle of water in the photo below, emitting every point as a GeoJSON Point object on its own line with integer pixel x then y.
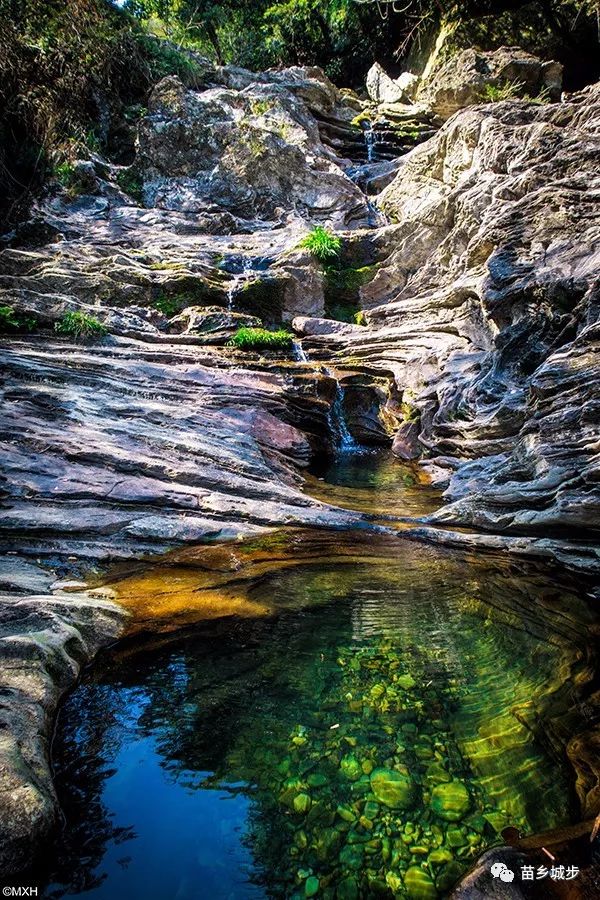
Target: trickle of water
{"type": "Point", "coordinates": [369, 136]}
{"type": "Point", "coordinates": [344, 442]}
{"type": "Point", "coordinates": [298, 350]}
{"type": "Point", "coordinates": [238, 281]}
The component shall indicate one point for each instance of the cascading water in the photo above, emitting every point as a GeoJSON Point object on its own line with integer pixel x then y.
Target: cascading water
{"type": "Point", "coordinates": [344, 442]}
{"type": "Point", "coordinates": [369, 136]}
{"type": "Point", "coordinates": [298, 351]}
{"type": "Point", "coordinates": [239, 280]}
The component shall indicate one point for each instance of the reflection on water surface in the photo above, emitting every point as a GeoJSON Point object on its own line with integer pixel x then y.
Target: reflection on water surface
{"type": "Point", "coordinates": [367, 733]}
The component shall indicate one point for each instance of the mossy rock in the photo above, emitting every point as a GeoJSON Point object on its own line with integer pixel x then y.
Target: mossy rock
{"type": "Point", "coordinates": [451, 801]}
{"type": "Point", "coordinates": [342, 291]}
{"type": "Point", "coordinates": [262, 297]}
{"type": "Point", "coordinates": [393, 789]}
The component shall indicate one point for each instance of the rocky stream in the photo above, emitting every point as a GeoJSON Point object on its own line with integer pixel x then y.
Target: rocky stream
{"type": "Point", "coordinates": [348, 586]}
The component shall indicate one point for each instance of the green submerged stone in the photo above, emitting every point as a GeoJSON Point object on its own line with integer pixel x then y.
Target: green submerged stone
{"type": "Point", "coordinates": [450, 801]}
{"type": "Point", "coordinates": [311, 886]}
{"type": "Point", "coordinates": [347, 889]}
{"type": "Point", "coordinates": [316, 780]}
{"type": "Point", "coordinates": [351, 856]}
{"type": "Point", "coordinates": [394, 789]}
{"type": "Point", "coordinates": [350, 767]}
{"type": "Point", "coordinates": [418, 884]}
{"type": "Point", "coordinates": [448, 876]}
{"type": "Point", "coordinates": [302, 803]}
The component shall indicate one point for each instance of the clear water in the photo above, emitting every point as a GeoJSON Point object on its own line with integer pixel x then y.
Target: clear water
{"type": "Point", "coordinates": [368, 736]}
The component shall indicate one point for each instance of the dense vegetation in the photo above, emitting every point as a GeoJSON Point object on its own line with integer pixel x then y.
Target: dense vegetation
{"type": "Point", "coordinates": [75, 74]}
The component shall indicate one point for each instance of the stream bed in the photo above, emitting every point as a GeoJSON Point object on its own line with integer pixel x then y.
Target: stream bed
{"type": "Point", "coordinates": [369, 733]}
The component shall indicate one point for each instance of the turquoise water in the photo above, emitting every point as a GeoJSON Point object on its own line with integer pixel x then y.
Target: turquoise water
{"type": "Point", "coordinates": [370, 738]}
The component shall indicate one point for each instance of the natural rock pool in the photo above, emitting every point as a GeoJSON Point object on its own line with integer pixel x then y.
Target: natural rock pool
{"type": "Point", "coordinates": [367, 730]}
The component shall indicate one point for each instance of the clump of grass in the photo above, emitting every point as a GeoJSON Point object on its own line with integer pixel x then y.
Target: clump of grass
{"type": "Point", "coordinates": [322, 243]}
{"type": "Point", "coordinates": [131, 183]}
{"type": "Point", "coordinates": [80, 325]}
{"type": "Point", "coordinates": [509, 90]}
{"type": "Point", "coordinates": [11, 320]}
{"type": "Point", "coordinates": [360, 318]}
{"type": "Point", "coordinates": [260, 339]}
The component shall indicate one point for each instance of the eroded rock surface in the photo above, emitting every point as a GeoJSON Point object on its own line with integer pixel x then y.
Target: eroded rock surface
{"type": "Point", "coordinates": [472, 76]}
{"type": "Point", "coordinates": [487, 311]}
{"type": "Point", "coordinates": [480, 349]}
{"type": "Point", "coordinates": [254, 151]}
{"type": "Point", "coordinates": [44, 642]}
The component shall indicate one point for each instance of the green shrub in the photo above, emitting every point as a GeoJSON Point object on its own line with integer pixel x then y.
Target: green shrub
{"type": "Point", "coordinates": [260, 339]}
{"type": "Point", "coordinates": [132, 184]}
{"type": "Point", "coordinates": [322, 243]}
{"type": "Point", "coordinates": [360, 318]}
{"type": "Point", "coordinates": [510, 90]}
{"type": "Point", "coordinates": [80, 325]}
{"type": "Point", "coordinates": [165, 59]}
{"type": "Point", "coordinates": [64, 173]}
{"type": "Point", "coordinates": [11, 320]}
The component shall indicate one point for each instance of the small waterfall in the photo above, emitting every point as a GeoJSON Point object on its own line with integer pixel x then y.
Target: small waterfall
{"type": "Point", "coordinates": [344, 442]}
{"type": "Point", "coordinates": [369, 136]}
{"type": "Point", "coordinates": [238, 281]}
{"type": "Point", "coordinates": [298, 350]}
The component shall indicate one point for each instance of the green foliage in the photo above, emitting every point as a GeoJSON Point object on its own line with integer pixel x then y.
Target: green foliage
{"type": "Point", "coordinates": [80, 325]}
{"type": "Point", "coordinates": [164, 59]}
{"type": "Point", "coordinates": [342, 36]}
{"type": "Point", "coordinates": [322, 243]}
{"type": "Point", "coordinates": [348, 280]}
{"type": "Point", "coordinates": [13, 321]}
{"type": "Point", "coordinates": [260, 107]}
{"type": "Point", "coordinates": [131, 183]}
{"type": "Point", "coordinates": [360, 318]}
{"type": "Point", "coordinates": [260, 339]}
{"type": "Point", "coordinates": [169, 306]}
{"type": "Point", "coordinates": [508, 90]}
{"type": "Point", "coordinates": [64, 173]}
{"type": "Point", "coordinates": [252, 139]}
{"type": "Point", "coordinates": [342, 286]}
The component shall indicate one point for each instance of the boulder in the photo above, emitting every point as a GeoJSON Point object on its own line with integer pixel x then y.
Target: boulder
{"type": "Point", "coordinates": [255, 152]}
{"type": "Point", "coordinates": [450, 800]}
{"type": "Point", "coordinates": [474, 76]}
{"type": "Point", "coordinates": [307, 326]}
{"type": "Point", "coordinates": [383, 89]}
{"type": "Point", "coordinates": [393, 789]}
{"type": "Point", "coordinates": [406, 442]}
